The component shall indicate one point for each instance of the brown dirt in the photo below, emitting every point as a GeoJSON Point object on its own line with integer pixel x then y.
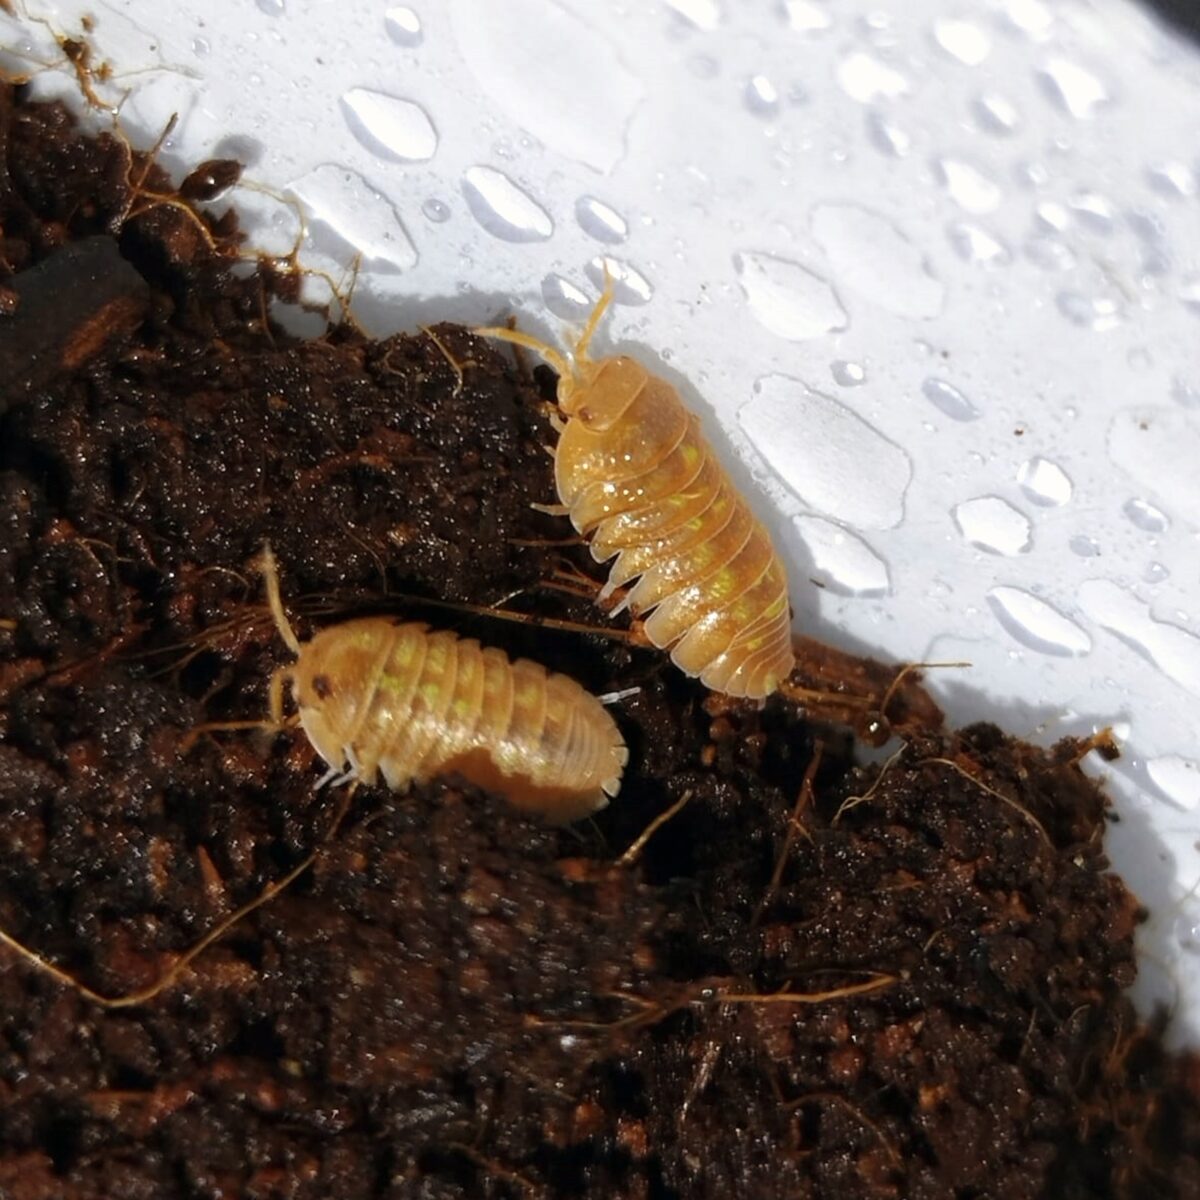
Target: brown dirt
{"type": "Point", "coordinates": [899, 982]}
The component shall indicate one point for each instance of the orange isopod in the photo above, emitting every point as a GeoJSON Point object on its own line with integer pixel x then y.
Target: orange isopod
{"type": "Point", "coordinates": [381, 697]}
{"type": "Point", "coordinates": [640, 481]}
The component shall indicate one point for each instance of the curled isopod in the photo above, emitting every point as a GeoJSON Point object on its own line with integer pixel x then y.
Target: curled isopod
{"type": "Point", "coordinates": [381, 697]}
{"type": "Point", "coordinates": [639, 480]}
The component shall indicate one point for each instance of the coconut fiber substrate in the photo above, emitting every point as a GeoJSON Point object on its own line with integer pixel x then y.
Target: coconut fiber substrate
{"type": "Point", "coordinates": [816, 979]}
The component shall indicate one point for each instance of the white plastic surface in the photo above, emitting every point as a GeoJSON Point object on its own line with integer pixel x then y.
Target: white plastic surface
{"type": "Point", "coordinates": [930, 270]}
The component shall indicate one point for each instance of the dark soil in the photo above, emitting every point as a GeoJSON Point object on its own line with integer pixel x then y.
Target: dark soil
{"type": "Point", "coordinates": [897, 982]}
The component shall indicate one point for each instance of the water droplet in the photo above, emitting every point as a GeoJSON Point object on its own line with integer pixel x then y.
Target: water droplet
{"type": "Point", "coordinates": [1030, 17]}
{"type": "Point", "coordinates": [1037, 624]}
{"type": "Point", "coordinates": [1189, 292]}
{"type": "Point", "coordinates": [704, 66]}
{"type": "Point", "coordinates": [973, 243]}
{"type": "Point", "coordinates": [1159, 447]}
{"type": "Point", "coordinates": [872, 257]}
{"type": "Point", "coordinates": [502, 208]}
{"type": "Point", "coordinates": [394, 129]}
{"type": "Point", "coordinates": [239, 146]}
{"type": "Point", "coordinates": [886, 136]}
{"type": "Point", "coordinates": [848, 374]}
{"type": "Point", "coordinates": [1094, 211]}
{"type": "Point", "coordinates": [600, 221]}
{"type": "Point", "coordinates": [806, 17]}
{"type": "Point", "coordinates": [1049, 252]}
{"type": "Point", "coordinates": [787, 298]}
{"type": "Point", "coordinates": [273, 8]}
{"type": "Point", "coordinates": [436, 210]}
{"type": "Point", "coordinates": [949, 400]}
{"type": "Point", "coordinates": [841, 560]}
{"type": "Point", "coordinates": [564, 299]}
{"type": "Point", "coordinates": [864, 78]}
{"type": "Point", "coordinates": [1031, 175]}
{"type": "Point", "coordinates": [594, 94]}
{"type": "Point", "coordinates": [1052, 215]}
{"type": "Point", "coordinates": [996, 113]}
{"type": "Point", "coordinates": [343, 202]}
{"type": "Point", "coordinates": [703, 14]}
{"type": "Point", "coordinates": [1044, 482]}
{"type": "Point", "coordinates": [1172, 649]}
{"type": "Point", "coordinates": [968, 186]}
{"type": "Point", "coordinates": [1185, 393]}
{"type": "Point", "coordinates": [1155, 572]}
{"type": "Point", "coordinates": [1073, 88]}
{"type": "Point", "coordinates": [1145, 516]}
{"type": "Point", "coordinates": [762, 97]}
{"type": "Point", "coordinates": [630, 286]}
{"type": "Point", "coordinates": [1187, 924]}
{"type": "Point", "coordinates": [403, 26]}
{"type": "Point", "coordinates": [963, 40]}
{"type": "Point", "coordinates": [1175, 179]}
{"type": "Point", "coordinates": [1084, 546]}
{"type": "Point", "coordinates": [1179, 780]}
{"type": "Point", "coordinates": [827, 454]}
{"type": "Point", "coordinates": [1100, 313]}
{"type": "Point", "coordinates": [993, 525]}
{"type": "Point", "coordinates": [201, 47]}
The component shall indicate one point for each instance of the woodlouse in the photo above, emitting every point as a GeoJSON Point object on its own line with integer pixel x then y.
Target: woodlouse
{"type": "Point", "coordinates": [380, 697]}
{"type": "Point", "coordinates": [640, 481]}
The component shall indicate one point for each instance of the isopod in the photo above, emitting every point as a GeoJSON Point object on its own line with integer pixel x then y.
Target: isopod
{"type": "Point", "coordinates": [377, 696]}
{"type": "Point", "coordinates": [638, 479]}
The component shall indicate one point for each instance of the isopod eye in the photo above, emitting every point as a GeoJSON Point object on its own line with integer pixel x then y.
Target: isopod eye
{"type": "Point", "coordinates": [322, 687]}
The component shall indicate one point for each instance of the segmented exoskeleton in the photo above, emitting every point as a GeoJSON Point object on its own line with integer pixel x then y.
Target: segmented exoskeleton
{"type": "Point", "coordinates": [639, 480]}
{"type": "Point", "coordinates": [380, 697]}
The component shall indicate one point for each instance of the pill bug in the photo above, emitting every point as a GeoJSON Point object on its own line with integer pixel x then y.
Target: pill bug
{"type": "Point", "coordinates": [640, 481]}
{"type": "Point", "coordinates": [381, 697]}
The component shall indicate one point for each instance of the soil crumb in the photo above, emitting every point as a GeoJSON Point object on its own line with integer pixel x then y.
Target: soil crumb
{"type": "Point", "coordinates": [817, 979]}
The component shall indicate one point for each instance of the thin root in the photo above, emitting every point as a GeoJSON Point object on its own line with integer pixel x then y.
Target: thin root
{"type": "Point", "coordinates": [876, 983]}
{"type": "Point", "coordinates": [803, 800]}
{"type": "Point", "coordinates": [181, 964]}
{"type": "Point", "coordinates": [854, 801]}
{"type": "Point", "coordinates": [855, 1111]}
{"type": "Point", "coordinates": [991, 791]}
{"type": "Point", "coordinates": [904, 672]}
{"type": "Point", "coordinates": [639, 843]}
{"type": "Point", "coordinates": [455, 365]}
